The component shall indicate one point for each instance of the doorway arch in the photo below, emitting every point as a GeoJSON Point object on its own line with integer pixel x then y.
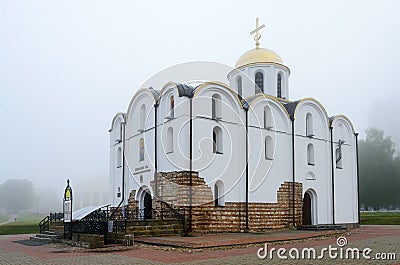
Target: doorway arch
{"type": "Point", "coordinates": [310, 208]}
{"type": "Point", "coordinates": [145, 203]}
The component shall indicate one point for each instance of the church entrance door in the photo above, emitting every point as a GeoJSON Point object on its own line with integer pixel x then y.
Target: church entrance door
{"type": "Point", "coordinates": [307, 209]}
{"type": "Point", "coordinates": [147, 205]}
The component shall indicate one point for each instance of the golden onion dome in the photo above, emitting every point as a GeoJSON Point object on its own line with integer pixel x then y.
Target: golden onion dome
{"type": "Point", "coordinates": [258, 55]}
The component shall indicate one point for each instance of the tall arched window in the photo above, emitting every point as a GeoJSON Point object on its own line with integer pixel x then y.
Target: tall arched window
{"type": "Point", "coordinates": [141, 149]}
{"type": "Point", "coordinates": [239, 85]}
{"type": "Point", "coordinates": [169, 148]}
{"type": "Point", "coordinates": [119, 157]}
{"type": "Point", "coordinates": [269, 148]}
{"type": "Point", "coordinates": [142, 117]}
{"type": "Point", "coordinates": [279, 86]}
{"type": "Point", "coordinates": [172, 106]}
{"type": "Point", "coordinates": [216, 106]}
{"type": "Point", "coordinates": [219, 199]}
{"type": "Point", "coordinates": [310, 155]}
{"type": "Point", "coordinates": [259, 81]}
{"type": "Point", "coordinates": [309, 125]}
{"type": "Point", "coordinates": [267, 118]}
{"type": "Point", "coordinates": [217, 140]}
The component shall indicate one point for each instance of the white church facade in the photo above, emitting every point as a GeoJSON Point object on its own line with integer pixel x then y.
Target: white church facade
{"type": "Point", "coordinates": [245, 151]}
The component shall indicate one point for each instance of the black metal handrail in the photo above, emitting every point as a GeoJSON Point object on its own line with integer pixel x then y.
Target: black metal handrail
{"type": "Point", "coordinates": [166, 211]}
{"type": "Point", "coordinates": [44, 224]}
{"type": "Point", "coordinates": [176, 213]}
{"type": "Point", "coordinates": [163, 213]}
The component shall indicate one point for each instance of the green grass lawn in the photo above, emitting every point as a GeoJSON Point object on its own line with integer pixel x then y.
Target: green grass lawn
{"type": "Point", "coordinates": [380, 218]}
{"type": "Point", "coordinates": [4, 218]}
{"type": "Point", "coordinates": [25, 224]}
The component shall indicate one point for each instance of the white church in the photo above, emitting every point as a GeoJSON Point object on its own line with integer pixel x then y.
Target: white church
{"type": "Point", "coordinates": [247, 143]}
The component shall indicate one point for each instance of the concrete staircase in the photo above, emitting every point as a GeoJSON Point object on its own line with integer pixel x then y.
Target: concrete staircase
{"type": "Point", "coordinates": [140, 228]}
{"type": "Point", "coordinates": [47, 237]}
{"type": "Point", "coordinates": [154, 227]}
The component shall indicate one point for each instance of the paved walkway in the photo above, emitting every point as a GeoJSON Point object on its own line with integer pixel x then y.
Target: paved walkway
{"type": "Point", "coordinates": [381, 239]}
{"type": "Point", "coordinates": [202, 241]}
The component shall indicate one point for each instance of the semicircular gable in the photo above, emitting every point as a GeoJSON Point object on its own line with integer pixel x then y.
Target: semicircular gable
{"type": "Point", "coordinates": [182, 90]}
{"type": "Point", "coordinates": [221, 87]}
{"type": "Point", "coordinates": [273, 104]}
{"type": "Point", "coordinates": [143, 92]}
{"type": "Point", "coordinates": [344, 119]}
{"type": "Point", "coordinates": [316, 104]}
{"type": "Point", "coordinates": [271, 99]}
{"type": "Point", "coordinates": [166, 88]}
{"type": "Point", "coordinates": [117, 116]}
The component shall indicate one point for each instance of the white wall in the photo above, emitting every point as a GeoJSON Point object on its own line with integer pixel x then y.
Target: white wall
{"type": "Point", "coordinates": [270, 72]}
{"type": "Point", "coordinates": [179, 158]}
{"type": "Point", "coordinates": [265, 176]}
{"type": "Point", "coordinates": [115, 178]}
{"type": "Point", "coordinates": [346, 204]}
{"type": "Point", "coordinates": [228, 167]}
{"type": "Point", "coordinates": [322, 168]}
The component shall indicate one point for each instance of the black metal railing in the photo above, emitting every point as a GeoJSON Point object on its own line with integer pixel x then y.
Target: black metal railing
{"type": "Point", "coordinates": [89, 227]}
{"type": "Point", "coordinates": [169, 212]}
{"type": "Point", "coordinates": [94, 223]}
{"type": "Point", "coordinates": [154, 214]}
{"type": "Point", "coordinates": [44, 224]}
{"type": "Point", "coordinates": [119, 226]}
{"type": "Point", "coordinates": [56, 216]}
{"type": "Point", "coordinates": [101, 221]}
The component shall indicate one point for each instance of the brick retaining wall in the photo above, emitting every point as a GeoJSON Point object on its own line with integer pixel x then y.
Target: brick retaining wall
{"type": "Point", "coordinates": [173, 188]}
{"type": "Point", "coordinates": [262, 216]}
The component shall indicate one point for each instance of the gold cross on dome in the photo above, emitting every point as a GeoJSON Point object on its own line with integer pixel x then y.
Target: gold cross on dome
{"type": "Point", "coordinates": [258, 35]}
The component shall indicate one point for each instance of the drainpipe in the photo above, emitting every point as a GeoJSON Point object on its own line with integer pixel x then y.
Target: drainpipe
{"type": "Point", "coordinates": [190, 162]}
{"type": "Point", "coordinates": [293, 175]}
{"type": "Point", "coordinates": [247, 168]}
{"type": "Point", "coordinates": [358, 180]}
{"type": "Point", "coordinates": [155, 149]}
{"type": "Point", "coordinates": [333, 178]}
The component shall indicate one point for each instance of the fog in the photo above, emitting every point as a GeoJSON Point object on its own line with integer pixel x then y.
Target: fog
{"type": "Point", "coordinates": [66, 67]}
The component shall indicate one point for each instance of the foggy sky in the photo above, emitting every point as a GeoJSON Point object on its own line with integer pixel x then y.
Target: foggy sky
{"type": "Point", "coordinates": [66, 68]}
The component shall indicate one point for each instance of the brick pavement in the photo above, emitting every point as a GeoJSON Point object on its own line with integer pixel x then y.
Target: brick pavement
{"type": "Point", "coordinates": [378, 238]}
{"type": "Point", "coordinates": [233, 239]}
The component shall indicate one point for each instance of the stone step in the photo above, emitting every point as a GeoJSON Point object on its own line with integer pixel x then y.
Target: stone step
{"type": "Point", "coordinates": [41, 239]}
{"type": "Point", "coordinates": [156, 233]}
{"type": "Point", "coordinates": [151, 223]}
{"type": "Point", "coordinates": [154, 228]}
{"type": "Point", "coordinates": [138, 228]}
{"type": "Point", "coordinates": [47, 236]}
{"type": "Point", "coordinates": [50, 233]}
{"type": "Point", "coordinates": [57, 233]}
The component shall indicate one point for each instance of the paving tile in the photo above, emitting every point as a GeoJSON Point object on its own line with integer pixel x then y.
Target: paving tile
{"type": "Point", "coordinates": [383, 239]}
